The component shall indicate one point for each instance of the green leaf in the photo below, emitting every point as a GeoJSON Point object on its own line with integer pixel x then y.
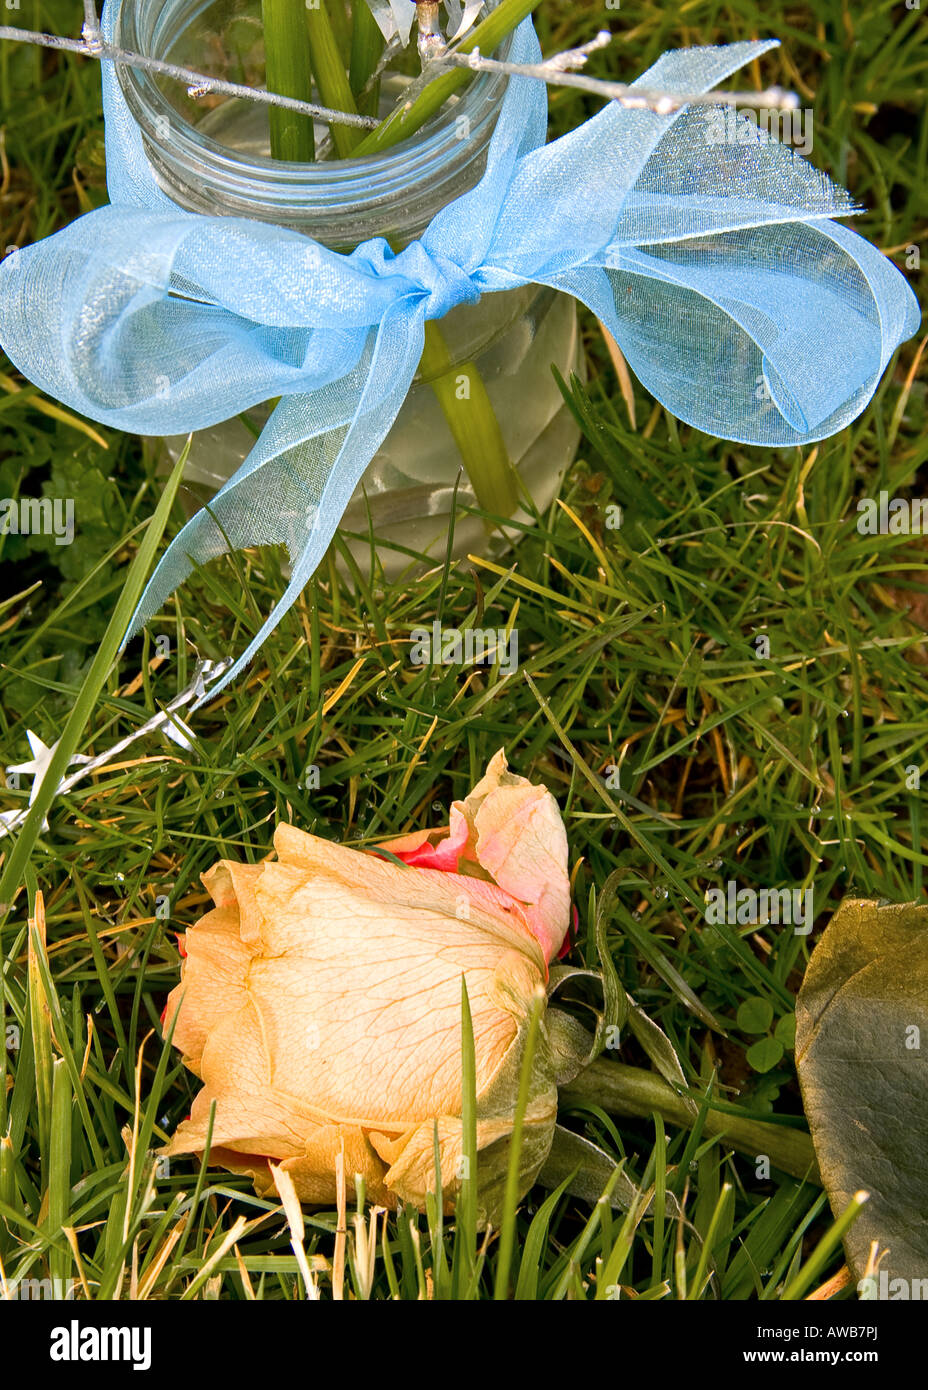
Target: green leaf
{"type": "Point", "coordinates": [785, 1031]}
{"type": "Point", "coordinates": [861, 1018]}
{"type": "Point", "coordinates": [764, 1054]}
{"type": "Point", "coordinates": [534, 1246]}
{"type": "Point", "coordinates": [660, 1050]}
{"type": "Point", "coordinates": [97, 516]}
{"type": "Point", "coordinates": [508, 1223]}
{"type": "Point", "coordinates": [465, 1241]}
{"type": "Point", "coordinates": [755, 1015]}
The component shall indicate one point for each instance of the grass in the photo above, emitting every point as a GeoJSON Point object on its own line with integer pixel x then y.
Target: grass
{"type": "Point", "coordinates": [639, 652]}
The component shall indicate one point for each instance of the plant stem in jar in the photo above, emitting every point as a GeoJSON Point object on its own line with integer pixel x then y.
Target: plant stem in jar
{"type": "Point", "coordinates": [366, 48]}
{"type": "Point", "coordinates": [486, 36]}
{"type": "Point", "coordinates": [331, 77]}
{"type": "Point", "coordinates": [300, 41]}
{"type": "Point", "coordinates": [472, 420]}
{"type": "Point", "coordinates": [342, 23]}
{"type": "Point", "coordinates": [288, 71]}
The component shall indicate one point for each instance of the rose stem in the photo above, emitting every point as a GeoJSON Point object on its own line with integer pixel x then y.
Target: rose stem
{"type": "Point", "coordinates": [331, 78]}
{"type": "Point", "coordinates": [624, 1090]}
{"type": "Point", "coordinates": [288, 71]}
{"type": "Point", "coordinates": [366, 48]}
{"type": "Point", "coordinates": [486, 36]}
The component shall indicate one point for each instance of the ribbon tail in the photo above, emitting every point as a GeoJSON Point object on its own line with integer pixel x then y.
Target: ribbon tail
{"type": "Point", "coordinates": [295, 484]}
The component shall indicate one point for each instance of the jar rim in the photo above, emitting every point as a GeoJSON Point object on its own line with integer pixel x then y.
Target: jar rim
{"type": "Point", "coordinates": [430, 150]}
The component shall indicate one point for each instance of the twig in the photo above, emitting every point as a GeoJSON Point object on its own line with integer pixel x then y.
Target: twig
{"type": "Point", "coordinates": [93, 45]}
{"type": "Point", "coordinates": [555, 71]}
{"type": "Point", "coordinates": [430, 41]}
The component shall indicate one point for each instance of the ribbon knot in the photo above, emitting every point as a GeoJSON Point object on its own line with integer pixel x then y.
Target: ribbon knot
{"type": "Point", "coordinates": [434, 274]}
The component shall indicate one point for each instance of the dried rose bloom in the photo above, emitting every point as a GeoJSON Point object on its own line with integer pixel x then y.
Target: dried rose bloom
{"type": "Point", "coordinates": [320, 1001]}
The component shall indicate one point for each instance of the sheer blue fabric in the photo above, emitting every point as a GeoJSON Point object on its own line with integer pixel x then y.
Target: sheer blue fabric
{"type": "Point", "coordinates": [717, 266]}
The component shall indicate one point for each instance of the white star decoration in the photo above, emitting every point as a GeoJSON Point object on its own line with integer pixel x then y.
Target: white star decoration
{"type": "Point", "coordinates": [166, 721]}
{"type": "Point", "coordinates": [38, 768]}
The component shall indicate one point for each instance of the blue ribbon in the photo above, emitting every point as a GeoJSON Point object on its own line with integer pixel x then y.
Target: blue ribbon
{"type": "Point", "coordinates": [718, 268]}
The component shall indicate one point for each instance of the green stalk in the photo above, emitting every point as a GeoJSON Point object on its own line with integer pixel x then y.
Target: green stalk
{"type": "Point", "coordinates": [58, 1176]}
{"type": "Point", "coordinates": [342, 24]}
{"type": "Point", "coordinates": [472, 420]}
{"type": "Point", "coordinates": [460, 390]}
{"type": "Point", "coordinates": [465, 1211]}
{"type": "Point", "coordinates": [7, 1189]}
{"type": "Point", "coordinates": [288, 72]}
{"type": "Point", "coordinates": [366, 48]}
{"type": "Point", "coordinates": [331, 78]}
{"type": "Point", "coordinates": [624, 1090]}
{"type": "Point", "coordinates": [487, 36]}
{"type": "Point", "coordinates": [507, 1232]}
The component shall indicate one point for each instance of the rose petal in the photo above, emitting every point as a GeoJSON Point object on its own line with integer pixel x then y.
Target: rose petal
{"type": "Point", "coordinates": [521, 842]}
{"type": "Point", "coordinates": [212, 981]}
{"type": "Point", "coordinates": [440, 850]}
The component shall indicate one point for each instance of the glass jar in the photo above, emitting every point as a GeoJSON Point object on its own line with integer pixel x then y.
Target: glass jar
{"type": "Point", "coordinates": [218, 162]}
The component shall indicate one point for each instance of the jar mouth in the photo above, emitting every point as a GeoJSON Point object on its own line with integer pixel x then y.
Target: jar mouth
{"type": "Point", "coordinates": [186, 155]}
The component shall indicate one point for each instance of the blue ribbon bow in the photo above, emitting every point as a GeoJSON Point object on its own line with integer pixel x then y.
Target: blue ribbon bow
{"type": "Point", "coordinates": [734, 296]}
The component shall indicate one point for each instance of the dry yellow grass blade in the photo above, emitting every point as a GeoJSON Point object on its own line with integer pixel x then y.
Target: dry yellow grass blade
{"type": "Point", "coordinates": [341, 1232]}
{"type": "Point", "coordinates": [153, 1273]}
{"type": "Point", "coordinates": [903, 400]}
{"type": "Point", "coordinates": [231, 1238]}
{"type": "Point", "coordinates": [339, 691]}
{"type": "Point", "coordinates": [623, 374]}
{"type": "Point", "coordinates": [54, 412]}
{"type": "Point", "coordinates": [294, 1214]}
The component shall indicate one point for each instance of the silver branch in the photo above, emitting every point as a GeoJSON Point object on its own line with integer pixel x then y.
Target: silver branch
{"type": "Point", "coordinates": [557, 71]}
{"type": "Point", "coordinates": [91, 44]}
